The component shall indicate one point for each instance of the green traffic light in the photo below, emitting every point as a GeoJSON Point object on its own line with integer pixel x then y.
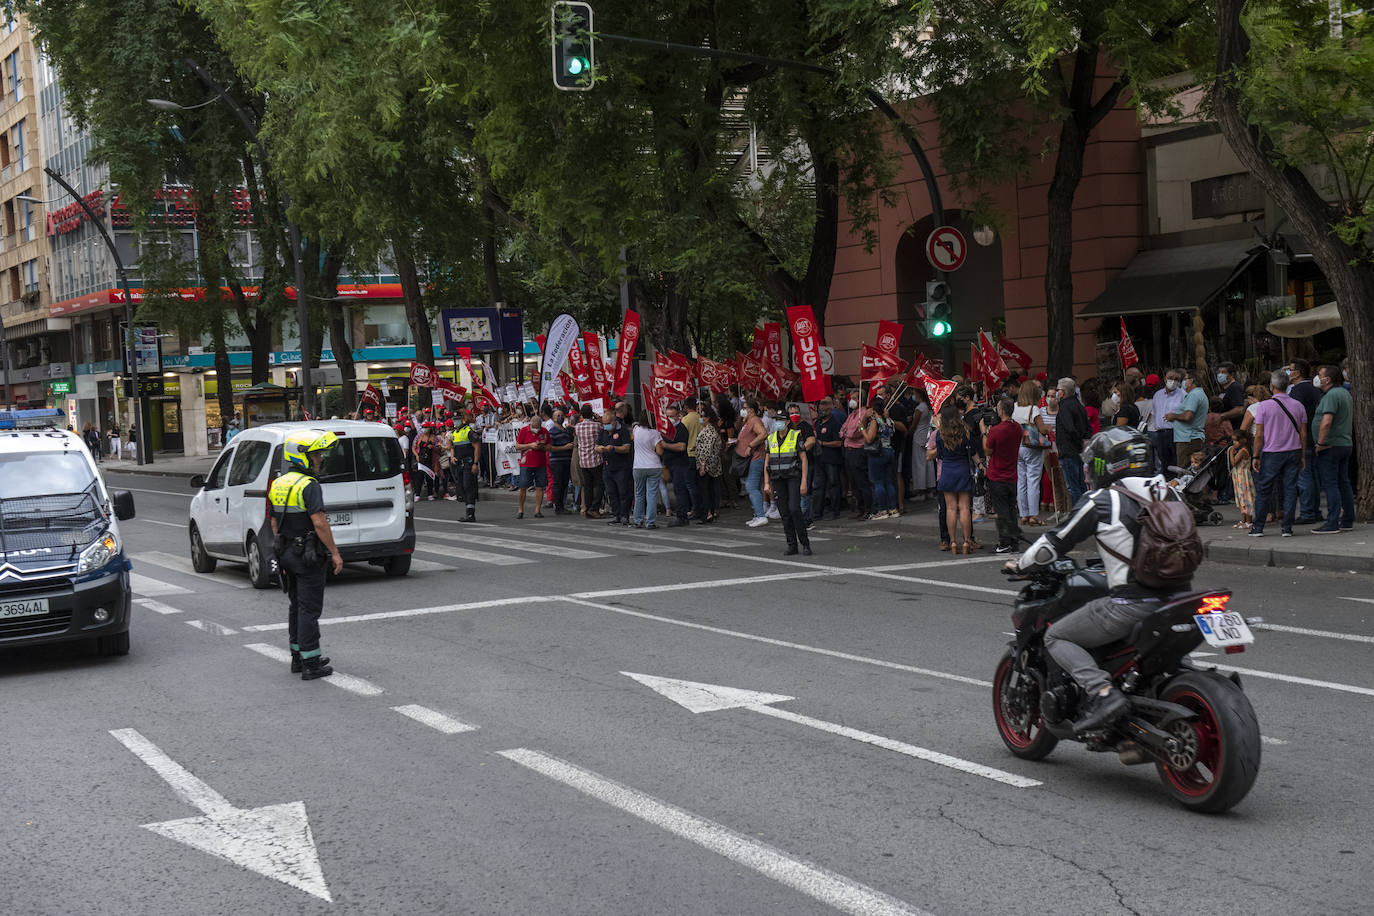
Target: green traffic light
{"type": "Point", "coordinates": [939, 328]}
{"type": "Point", "coordinates": [576, 65]}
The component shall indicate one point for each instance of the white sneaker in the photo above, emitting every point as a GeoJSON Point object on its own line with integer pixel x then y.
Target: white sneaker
{"type": "Point", "coordinates": [757, 520]}
{"type": "Point", "coordinates": [773, 513]}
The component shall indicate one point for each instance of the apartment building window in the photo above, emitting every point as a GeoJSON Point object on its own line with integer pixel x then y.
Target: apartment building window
{"type": "Point", "coordinates": [13, 77]}
{"type": "Point", "coordinates": [27, 231]}
{"type": "Point", "coordinates": [15, 290]}
{"type": "Point", "coordinates": [17, 151]}
{"type": "Point", "coordinates": [29, 273]}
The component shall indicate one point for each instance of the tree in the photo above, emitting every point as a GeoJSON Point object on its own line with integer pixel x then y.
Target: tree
{"type": "Point", "coordinates": [1294, 95]}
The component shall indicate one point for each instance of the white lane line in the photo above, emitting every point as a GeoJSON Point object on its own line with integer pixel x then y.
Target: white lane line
{"type": "Point", "coordinates": [434, 719]}
{"type": "Point", "coordinates": [557, 550]}
{"type": "Point", "coordinates": [183, 565]}
{"type": "Point", "coordinates": [1304, 681]}
{"type": "Point", "coordinates": [414, 612]}
{"type": "Point", "coordinates": [145, 587]}
{"type": "Point", "coordinates": [868, 571]}
{"type": "Point", "coordinates": [781, 643]}
{"type": "Point", "coordinates": [187, 786]}
{"type": "Point", "coordinates": [157, 607]}
{"type": "Point", "coordinates": [418, 565]}
{"type": "Point", "coordinates": [347, 682]}
{"type": "Point", "coordinates": [1363, 600]}
{"type": "Point", "coordinates": [214, 629]}
{"type": "Point", "coordinates": [607, 543]}
{"type": "Point", "coordinates": [714, 583]}
{"type": "Point", "coordinates": [690, 539]}
{"type": "Point", "coordinates": [159, 492]}
{"type": "Point", "coordinates": [153, 521]}
{"type": "Point", "coordinates": [474, 556]}
{"type": "Point", "coordinates": [935, 564]}
{"type": "Point", "coordinates": [901, 747]}
{"type": "Point", "coordinates": [1265, 739]}
{"type": "Point", "coordinates": [1304, 631]}
{"type": "Point", "coordinates": [819, 883]}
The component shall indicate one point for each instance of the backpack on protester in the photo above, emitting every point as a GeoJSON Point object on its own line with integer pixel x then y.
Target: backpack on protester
{"type": "Point", "coordinates": [1168, 550]}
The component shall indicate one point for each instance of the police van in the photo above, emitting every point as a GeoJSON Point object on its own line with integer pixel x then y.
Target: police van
{"type": "Point", "coordinates": [63, 573]}
{"type": "Point", "coordinates": [367, 498]}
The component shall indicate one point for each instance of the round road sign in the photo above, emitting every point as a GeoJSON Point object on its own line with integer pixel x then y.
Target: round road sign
{"type": "Point", "coordinates": [946, 248]}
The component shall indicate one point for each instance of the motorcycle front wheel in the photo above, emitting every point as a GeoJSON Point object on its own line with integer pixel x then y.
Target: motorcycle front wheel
{"type": "Point", "coordinates": [1016, 707]}
{"type": "Point", "coordinates": [1219, 756]}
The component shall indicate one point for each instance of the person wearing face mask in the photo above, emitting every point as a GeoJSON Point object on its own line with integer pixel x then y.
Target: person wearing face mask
{"type": "Point", "coordinates": [785, 475]}
{"type": "Point", "coordinates": [856, 459]}
{"type": "Point", "coordinates": [613, 444]}
{"type": "Point", "coordinates": [750, 448]}
{"type": "Point", "coordinates": [1232, 394]}
{"type": "Point", "coordinates": [825, 476]}
{"type": "Point", "coordinates": [1332, 435]}
{"type": "Point", "coordinates": [1165, 402]}
{"type": "Point", "coordinates": [1124, 411]}
{"type": "Point", "coordinates": [1189, 419]}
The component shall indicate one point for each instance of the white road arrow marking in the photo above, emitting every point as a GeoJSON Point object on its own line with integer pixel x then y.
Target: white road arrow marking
{"type": "Point", "coordinates": [700, 698]}
{"type": "Point", "coordinates": [274, 840]}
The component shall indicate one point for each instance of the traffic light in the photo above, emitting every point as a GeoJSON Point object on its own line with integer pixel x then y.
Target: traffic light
{"type": "Point", "coordinates": [938, 321]}
{"type": "Point", "coordinates": [574, 58]}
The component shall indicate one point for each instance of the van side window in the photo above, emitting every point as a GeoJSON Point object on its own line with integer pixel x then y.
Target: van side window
{"type": "Point", "coordinates": [221, 471]}
{"type": "Point", "coordinates": [248, 463]}
{"type": "Point", "coordinates": [336, 464]}
{"type": "Point", "coordinates": [377, 458]}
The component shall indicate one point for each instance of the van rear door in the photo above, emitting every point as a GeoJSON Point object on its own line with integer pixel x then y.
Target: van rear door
{"type": "Point", "coordinates": [381, 512]}
{"type": "Point", "coordinates": [339, 485]}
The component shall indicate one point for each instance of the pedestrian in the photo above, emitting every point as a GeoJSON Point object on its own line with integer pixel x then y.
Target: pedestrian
{"type": "Point", "coordinates": [709, 467]}
{"type": "Point", "coordinates": [1072, 430]}
{"type": "Point", "coordinates": [91, 436]}
{"type": "Point", "coordinates": [1144, 400]}
{"type": "Point", "coordinates": [301, 540]}
{"type": "Point", "coordinates": [532, 442]}
{"type": "Point", "coordinates": [1189, 419]}
{"type": "Point", "coordinates": [785, 475]}
{"type": "Point", "coordinates": [750, 447]}
{"type": "Point", "coordinates": [1166, 401]}
{"type": "Point", "coordinates": [131, 446]}
{"type": "Point", "coordinates": [443, 446]}
{"type": "Point", "coordinates": [1238, 457]}
{"type": "Point", "coordinates": [1125, 412]}
{"type": "Point", "coordinates": [1280, 438]}
{"type": "Point", "coordinates": [561, 447]}
{"type": "Point", "coordinates": [681, 468]}
{"type": "Point", "coordinates": [878, 436]}
{"type": "Point", "coordinates": [1002, 445]}
{"type": "Point", "coordinates": [235, 425]}
{"type": "Point", "coordinates": [648, 467]}
{"type": "Point", "coordinates": [466, 439]}
{"type": "Point", "coordinates": [1308, 395]}
{"type": "Point", "coordinates": [958, 455]}
{"type": "Point", "coordinates": [922, 471]}
{"type": "Point", "coordinates": [1090, 395]}
{"type": "Point", "coordinates": [1332, 428]}
{"type": "Point", "coordinates": [825, 474]}
{"type": "Point", "coordinates": [613, 444]}
{"type": "Point", "coordinates": [856, 459]}
{"type": "Point", "coordinates": [586, 433]}
{"type": "Point", "coordinates": [1030, 459]}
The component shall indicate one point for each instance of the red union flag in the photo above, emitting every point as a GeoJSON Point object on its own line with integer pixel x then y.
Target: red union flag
{"type": "Point", "coordinates": [714, 375]}
{"type": "Point", "coordinates": [806, 339]}
{"type": "Point", "coordinates": [672, 379]}
{"type": "Point", "coordinates": [581, 373]}
{"type": "Point", "coordinates": [657, 399]}
{"type": "Point", "coordinates": [889, 337]}
{"type": "Point", "coordinates": [422, 376]}
{"type": "Point", "coordinates": [451, 391]}
{"type": "Point", "coordinates": [370, 394]}
{"type": "Point", "coordinates": [1125, 349]}
{"type": "Point", "coordinates": [937, 390]}
{"type": "Point", "coordinates": [760, 344]}
{"type": "Point", "coordinates": [772, 337]}
{"type": "Point", "coordinates": [772, 381]}
{"type": "Point", "coordinates": [994, 369]}
{"type": "Point", "coordinates": [749, 371]}
{"type": "Point", "coordinates": [600, 381]}
{"type": "Point", "coordinates": [1011, 353]}
{"type": "Point", "coordinates": [877, 366]}
{"type": "Point", "coordinates": [481, 394]}
{"type": "Point", "coordinates": [625, 353]}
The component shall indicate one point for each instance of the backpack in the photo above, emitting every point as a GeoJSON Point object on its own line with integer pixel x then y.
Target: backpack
{"type": "Point", "coordinates": [1168, 550]}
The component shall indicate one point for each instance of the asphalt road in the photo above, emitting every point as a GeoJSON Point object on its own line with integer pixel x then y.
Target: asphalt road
{"type": "Point", "coordinates": [525, 773]}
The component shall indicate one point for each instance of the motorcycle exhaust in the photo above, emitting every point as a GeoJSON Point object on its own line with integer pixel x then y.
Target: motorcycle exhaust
{"type": "Point", "coordinates": [1131, 754]}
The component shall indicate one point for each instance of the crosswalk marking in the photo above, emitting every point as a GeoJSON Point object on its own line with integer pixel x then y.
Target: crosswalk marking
{"type": "Point", "coordinates": [688, 538]}
{"type": "Point", "coordinates": [557, 550]}
{"type": "Point", "coordinates": [418, 565]}
{"type": "Point", "coordinates": [347, 682]}
{"type": "Point", "coordinates": [156, 607]}
{"type": "Point", "coordinates": [434, 719]}
{"type": "Point", "coordinates": [214, 629]}
{"type": "Point", "coordinates": [183, 565]}
{"type": "Point", "coordinates": [145, 587]}
{"type": "Point", "coordinates": [612, 542]}
{"type": "Point", "coordinates": [476, 556]}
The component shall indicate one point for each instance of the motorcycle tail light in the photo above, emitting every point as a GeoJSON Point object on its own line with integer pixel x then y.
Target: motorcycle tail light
{"type": "Point", "coordinates": [1213, 604]}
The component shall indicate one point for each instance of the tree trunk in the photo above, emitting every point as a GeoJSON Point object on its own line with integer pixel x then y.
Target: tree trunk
{"type": "Point", "coordinates": [415, 305]}
{"type": "Point", "coordinates": [1347, 269]}
{"type": "Point", "coordinates": [495, 293]}
{"type": "Point", "coordinates": [825, 234]}
{"type": "Point", "coordinates": [210, 253]}
{"type": "Point", "coordinates": [224, 383]}
{"type": "Point", "coordinates": [338, 327]}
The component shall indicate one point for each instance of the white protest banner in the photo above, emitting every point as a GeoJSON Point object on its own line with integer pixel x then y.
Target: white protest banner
{"type": "Point", "coordinates": [526, 391]}
{"type": "Point", "coordinates": [597, 405]}
{"type": "Point", "coordinates": [489, 435]}
{"type": "Point", "coordinates": [390, 407]}
{"type": "Point", "coordinates": [562, 337]}
{"type": "Point", "coordinates": [507, 458]}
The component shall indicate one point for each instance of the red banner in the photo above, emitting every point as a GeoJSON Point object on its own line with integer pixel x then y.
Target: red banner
{"type": "Point", "coordinates": [976, 372]}
{"type": "Point", "coordinates": [714, 375]}
{"type": "Point", "coordinates": [1011, 353]}
{"type": "Point", "coordinates": [772, 380]}
{"type": "Point", "coordinates": [913, 375]}
{"type": "Point", "coordinates": [625, 354]}
{"type": "Point", "coordinates": [875, 365]}
{"type": "Point", "coordinates": [423, 376]}
{"type": "Point", "coordinates": [569, 386]}
{"type": "Point", "coordinates": [806, 339]}
{"type": "Point", "coordinates": [656, 400]}
{"type": "Point", "coordinates": [672, 379]}
{"type": "Point", "coordinates": [760, 346]}
{"type": "Point", "coordinates": [370, 394]}
{"type": "Point", "coordinates": [581, 374]}
{"type": "Point", "coordinates": [601, 382]}
{"type": "Point", "coordinates": [772, 337]}
{"type": "Point", "coordinates": [451, 391]}
{"type": "Point", "coordinates": [481, 394]}
{"type": "Point", "coordinates": [1125, 349]}
{"type": "Point", "coordinates": [889, 337]}
{"type": "Point", "coordinates": [993, 366]}
{"type": "Point", "coordinates": [937, 390]}
{"type": "Point", "coordinates": [749, 371]}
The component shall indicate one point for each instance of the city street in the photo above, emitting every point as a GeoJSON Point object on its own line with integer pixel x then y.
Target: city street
{"type": "Point", "coordinates": [509, 732]}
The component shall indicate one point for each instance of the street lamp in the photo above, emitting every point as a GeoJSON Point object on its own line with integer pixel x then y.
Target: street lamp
{"type": "Point", "coordinates": [292, 229]}
{"type": "Point", "coordinates": [145, 455]}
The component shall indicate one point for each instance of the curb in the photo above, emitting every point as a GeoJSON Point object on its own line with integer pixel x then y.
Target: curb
{"type": "Point", "coordinates": [144, 472]}
{"type": "Point", "coordinates": [1288, 558]}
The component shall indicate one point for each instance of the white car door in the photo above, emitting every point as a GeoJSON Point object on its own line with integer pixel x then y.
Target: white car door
{"type": "Point", "coordinates": [381, 514]}
{"type": "Point", "coordinates": [244, 492]}
{"type": "Point", "coordinates": [212, 515]}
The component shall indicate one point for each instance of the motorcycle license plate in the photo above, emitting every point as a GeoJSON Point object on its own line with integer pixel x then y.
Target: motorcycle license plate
{"type": "Point", "coordinates": [1224, 629]}
{"type": "Point", "coordinates": [340, 518]}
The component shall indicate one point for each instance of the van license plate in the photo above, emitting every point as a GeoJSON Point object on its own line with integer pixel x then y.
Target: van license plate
{"type": "Point", "coordinates": [34, 607]}
{"type": "Point", "coordinates": [1224, 629]}
{"type": "Point", "coordinates": [340, 518]}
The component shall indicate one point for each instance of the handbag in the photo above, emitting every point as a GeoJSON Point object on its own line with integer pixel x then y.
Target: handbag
{"type": "Point", "coordinates": [739, 465]}
{"type": "Point", "coordinates": [1032, 437]}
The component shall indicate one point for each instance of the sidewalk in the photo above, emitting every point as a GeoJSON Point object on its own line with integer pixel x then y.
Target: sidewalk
{"type": "Point", "coordinates": [1351, 552]}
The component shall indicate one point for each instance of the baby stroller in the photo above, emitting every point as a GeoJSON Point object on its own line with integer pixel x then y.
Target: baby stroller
{"type": "Point", "coordinates": [1193, 486]}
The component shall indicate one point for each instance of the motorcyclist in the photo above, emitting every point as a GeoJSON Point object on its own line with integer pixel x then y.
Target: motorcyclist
{"type": "Point", "coordinates": [1123, 457]}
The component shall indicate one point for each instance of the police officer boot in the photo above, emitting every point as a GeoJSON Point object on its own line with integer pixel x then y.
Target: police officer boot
{"type": "Point", "coordinates": [471, 516]}
{"type": "Point", "coordinates": [315, 667]}
{"type": "Point", "coordinates": [296, 663]}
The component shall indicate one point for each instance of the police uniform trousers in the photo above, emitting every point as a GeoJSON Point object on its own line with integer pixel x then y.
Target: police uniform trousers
{"type": "Point", "coordinates": [467, 481]}
{"type": "Point", "coordinates": [787, 495]}
{"type": "Point", "coordinates": [305, 588]}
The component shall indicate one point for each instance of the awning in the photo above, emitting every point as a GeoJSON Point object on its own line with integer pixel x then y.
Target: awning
{"type": "Point", "coordinates": [1173, 279]}
{"type": "Point", "coordinates": [1306, 324]}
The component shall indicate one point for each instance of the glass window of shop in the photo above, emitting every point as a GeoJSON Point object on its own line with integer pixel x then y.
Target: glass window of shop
{"type": "Point", "coordinates": [385, 326]}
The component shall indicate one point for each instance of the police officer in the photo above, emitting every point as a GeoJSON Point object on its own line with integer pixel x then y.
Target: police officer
{"type": "Point", "coordinates": [302, 536]}
{"type": "Point", "coordinates": [466, 438]}
{"type": "Point", "coordinates": [785, 473]}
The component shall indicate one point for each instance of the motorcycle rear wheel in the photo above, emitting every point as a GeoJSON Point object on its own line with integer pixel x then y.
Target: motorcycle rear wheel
{"type": "Point", "coordinates": [1224, 739]}
{"type": "Point", "coordinates": [1016, 707]}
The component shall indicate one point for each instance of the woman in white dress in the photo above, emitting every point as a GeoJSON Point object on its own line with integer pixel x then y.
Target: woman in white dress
{"type": "Point", "coordinates": [1030, 461]}
{"type": "Point", "coordinates": [922, 470]}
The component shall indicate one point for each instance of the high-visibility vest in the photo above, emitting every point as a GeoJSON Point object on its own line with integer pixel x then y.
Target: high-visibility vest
{"type": "Point", "coordinates": [783, 458]}
{"type": "Point", "coordinates": [287, 497]}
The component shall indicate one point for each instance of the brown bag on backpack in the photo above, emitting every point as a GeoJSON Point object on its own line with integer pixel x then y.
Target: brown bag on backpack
{"type": "Point", "coordinates": [1168, 550]}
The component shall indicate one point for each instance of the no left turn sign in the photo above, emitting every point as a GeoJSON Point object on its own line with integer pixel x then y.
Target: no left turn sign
{"type": "Point", "coordinates": [946, 248]}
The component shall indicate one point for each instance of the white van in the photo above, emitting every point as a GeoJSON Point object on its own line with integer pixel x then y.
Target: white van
{"type": "Point", "coordinates": [367, 497]}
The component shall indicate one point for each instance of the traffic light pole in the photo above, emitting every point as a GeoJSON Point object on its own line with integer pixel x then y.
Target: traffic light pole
{"type": "Point", "coordinates": [908, 134]}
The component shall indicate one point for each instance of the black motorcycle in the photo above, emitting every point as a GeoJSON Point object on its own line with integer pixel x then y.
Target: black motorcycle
{"type": "Point", "coordinates": [1195, 725]}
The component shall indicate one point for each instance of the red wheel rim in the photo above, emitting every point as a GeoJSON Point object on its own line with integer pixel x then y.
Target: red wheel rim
{"type": "Point", "coordinates": [1198, 779]}
{"type": "Point", "coordinates": [1015, 735]}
